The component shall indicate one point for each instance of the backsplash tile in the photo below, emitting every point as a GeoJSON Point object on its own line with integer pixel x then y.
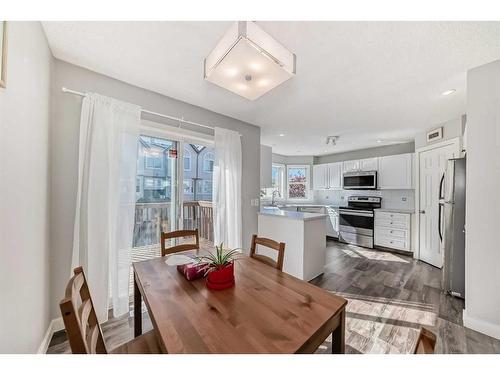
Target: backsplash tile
{"type": "Point", "coordinates": [396, 199]}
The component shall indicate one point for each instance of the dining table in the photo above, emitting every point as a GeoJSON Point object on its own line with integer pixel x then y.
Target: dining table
{"type": "Point", "coordinates": [266, 311]}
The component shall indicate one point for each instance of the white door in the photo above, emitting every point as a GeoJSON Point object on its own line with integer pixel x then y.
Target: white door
{"type": "Point", "coordinates": [368, 164]}
{"type": "Point", "coordinates": [432, 166]}
{"type": "Point", "coordinates": [335, 176]}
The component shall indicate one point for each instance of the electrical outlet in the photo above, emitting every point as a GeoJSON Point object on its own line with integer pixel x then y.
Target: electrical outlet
{"type": "Point", "coordinates": [254, 202]}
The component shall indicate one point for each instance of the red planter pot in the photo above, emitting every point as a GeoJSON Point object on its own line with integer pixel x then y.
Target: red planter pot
{"type": "Point", "coordinates": [222, 278]}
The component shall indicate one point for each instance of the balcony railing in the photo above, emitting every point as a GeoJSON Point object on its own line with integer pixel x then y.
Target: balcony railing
{"type": "Point", "coordinates": [153, 218]}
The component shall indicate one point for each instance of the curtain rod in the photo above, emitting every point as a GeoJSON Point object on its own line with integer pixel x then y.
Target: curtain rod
{"type": "Point", "coordinates": [181, 120]}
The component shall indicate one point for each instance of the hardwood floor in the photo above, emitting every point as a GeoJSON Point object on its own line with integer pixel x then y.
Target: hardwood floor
{"type": "Point", "coordinates": [390, 296]}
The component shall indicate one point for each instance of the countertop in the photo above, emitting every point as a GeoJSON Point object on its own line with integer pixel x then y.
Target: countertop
{"type": "Point", "coordinates": [293, 215]}
{"type": "Point", "coordinates": [396, 210]}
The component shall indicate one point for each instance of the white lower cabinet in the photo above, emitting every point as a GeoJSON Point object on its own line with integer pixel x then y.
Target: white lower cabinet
{"type": "Point", "coordinates": [393, 230]}
{"type": "Point", "coordinates": [332, 221]}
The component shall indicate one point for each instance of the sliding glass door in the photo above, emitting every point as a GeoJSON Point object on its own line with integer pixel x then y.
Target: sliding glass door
{"type": "Point", "coordinates": [157, 187]}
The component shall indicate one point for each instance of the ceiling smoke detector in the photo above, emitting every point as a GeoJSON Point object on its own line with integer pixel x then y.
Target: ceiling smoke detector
{"type": "Point", "coordinates": [332, 139]}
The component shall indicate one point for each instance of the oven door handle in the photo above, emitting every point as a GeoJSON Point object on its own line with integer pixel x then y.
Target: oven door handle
{"type": "Point", "coordinates": [357, 213]}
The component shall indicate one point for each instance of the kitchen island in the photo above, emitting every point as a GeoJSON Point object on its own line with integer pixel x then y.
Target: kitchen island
{"type": "Point", "coordinates": [304, 235]}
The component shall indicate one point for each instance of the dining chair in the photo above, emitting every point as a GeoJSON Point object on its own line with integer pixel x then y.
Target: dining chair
{"type": "Point", "coordinates": [182, 247]}
{"type": "Point", "coordinates": [266, 242]}
{"type": "Point", "coordinates": [426, 342]}
{"type": "Point", "coordinates": [83, 329]}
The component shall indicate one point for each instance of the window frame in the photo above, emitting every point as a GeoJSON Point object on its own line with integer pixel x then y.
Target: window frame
{"type": "Point", "coordinates": [148, 156]}
{"type": "Point", "coordinates": [281, 184]}
{"type": "Point", "coordinates": [186, 155]}
{"type": "Point", "coordinates": [307, 184]}
{"type": "Point", "coordinates": [205, 159]}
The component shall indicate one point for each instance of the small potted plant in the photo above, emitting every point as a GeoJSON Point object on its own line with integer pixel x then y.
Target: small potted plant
{"type": "Point", "coordinates": [220, 268]}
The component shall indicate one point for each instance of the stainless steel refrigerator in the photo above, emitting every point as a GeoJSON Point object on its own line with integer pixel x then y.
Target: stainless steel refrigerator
{"type": "Point", "coordinates": [452, 226]}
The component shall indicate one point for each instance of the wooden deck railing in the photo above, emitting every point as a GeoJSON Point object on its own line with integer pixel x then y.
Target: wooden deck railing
{"type": "Point", "coordinates": [153, 218]}
{"type": "Point", "coordinates": [199, 214]}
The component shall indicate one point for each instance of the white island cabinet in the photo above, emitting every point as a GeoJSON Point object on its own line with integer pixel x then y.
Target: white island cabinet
{"type": "Point", "coordinates": [304, 235]}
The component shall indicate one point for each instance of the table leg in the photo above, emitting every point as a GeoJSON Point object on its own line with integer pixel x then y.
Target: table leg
{"type": "Point", "coordinates": [137, 310]}
{"type": "Point", "coordinates": [338, 336]}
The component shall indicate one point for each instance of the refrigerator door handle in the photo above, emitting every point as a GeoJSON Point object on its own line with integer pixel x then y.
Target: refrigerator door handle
{"type": "Point", "coordinates": [441, 192]}
{"type": "Point", "coordinates": [440, 218]}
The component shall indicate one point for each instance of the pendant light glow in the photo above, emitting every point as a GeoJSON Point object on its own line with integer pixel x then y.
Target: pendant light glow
{"type": "Point", "coordinates": [248, 61]}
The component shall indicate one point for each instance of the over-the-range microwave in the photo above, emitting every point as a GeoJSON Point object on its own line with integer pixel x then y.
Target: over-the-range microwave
{"type": "Point", "coordinates": [360, 180]}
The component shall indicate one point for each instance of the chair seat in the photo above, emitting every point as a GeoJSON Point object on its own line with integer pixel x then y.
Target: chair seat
{"type": "Point", "coordinates": [143, 344]}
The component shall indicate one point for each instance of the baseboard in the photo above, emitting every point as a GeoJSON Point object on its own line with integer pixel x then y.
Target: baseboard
{"type": "Point", "coordinates": [482, 326]}
{"type": "Point", "coordinates": [54, 326]}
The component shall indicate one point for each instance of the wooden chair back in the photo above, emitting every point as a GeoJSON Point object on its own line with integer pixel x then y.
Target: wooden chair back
{"type": "Point", "coordinates": [80, 320]}
{"type": "Point", "coordinates": [426, 342]}
{"type": "Point", "coordinates": [278, 246]}
{"type": "Point", "coordinates": [182, 247]}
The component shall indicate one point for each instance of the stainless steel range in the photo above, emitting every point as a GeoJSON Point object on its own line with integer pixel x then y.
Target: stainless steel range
{"type": "Point", "coordinates": [357, 220]}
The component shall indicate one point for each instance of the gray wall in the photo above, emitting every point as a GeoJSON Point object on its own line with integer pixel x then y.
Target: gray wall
{"type": "Point", "coordinates": [24, 190]}
{"type": "Point", "coordinates": [482, 251]}
{"type": "Point", "coordinates": [402, 148]}
{"type": "Point", "coordinates": [451, 129]}
{"type": "Point", "coordinates": [64, 156]}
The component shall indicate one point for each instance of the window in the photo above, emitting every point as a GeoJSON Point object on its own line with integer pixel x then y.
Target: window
{"type": "Point", "coordinates": [277, 182]}
{"type": "Point", "coordinates": [154, 159]}
{"type": "Point", "coordinates": [205, 187]}
{"type": "Point", "coordinates": [187, 160]}
{"type": "Point", "coordinates": [298, 182]}
{"type": "Point", "coordinates": [208, 162]}
{"type": "Point", "coordinates": [188, 186]}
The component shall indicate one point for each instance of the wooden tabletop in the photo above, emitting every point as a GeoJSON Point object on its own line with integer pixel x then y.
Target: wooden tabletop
{"type": "Point", "coordinates": [267, 311]}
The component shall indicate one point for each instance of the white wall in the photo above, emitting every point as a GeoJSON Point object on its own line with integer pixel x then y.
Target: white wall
{"type": "Point", "coordinates": [24, 190]}
{"type": "Point", "coordinates": [451, 129]}
{"type": "Point", "coordinates": [482, 262]}
{"type": "Point", "coordinates": [400, 148]}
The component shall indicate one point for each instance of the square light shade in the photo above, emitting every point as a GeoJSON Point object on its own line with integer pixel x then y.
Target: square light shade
{"type": "Point", "coordinates": [248, 61]}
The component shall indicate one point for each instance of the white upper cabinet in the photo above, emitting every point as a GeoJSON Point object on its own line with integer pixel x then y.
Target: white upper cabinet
{"type": "Point", "coordinates": [395, 172]}
{"type": "Point", "coordinates": [370, 164]}
{"type": "Point", "coordinates": [335, 175]}
{"type": "Point", "coordinates": [327, 176]}
{"type": "Point", "coordinates": [351, 165]}
{"type": "Point", "coordinates": [320, 177]}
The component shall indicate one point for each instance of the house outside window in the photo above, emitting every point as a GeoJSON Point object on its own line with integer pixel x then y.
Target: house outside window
{"type": "Point", "coordinates": [188, 186]}
{"type": "Point", "coordinates": [298, 182]}
{"type": "Point", "coordinates": [208, 162]}
{"type": "Point", "coordinates": [154, 159]}
{"type": "Point", "coordinates": [187, 160]}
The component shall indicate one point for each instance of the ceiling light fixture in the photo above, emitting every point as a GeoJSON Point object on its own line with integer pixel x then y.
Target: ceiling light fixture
{"type": "Point", "coordinates": [379, 140]}
{"type": "Point", "coordinates": [448, 92]}
{"type": "Point", "coordinates": [332, 139]}
{"type": "Point", "coordinates": [282, 135]}
{"type": "Point", "coordinates": [249, 52]}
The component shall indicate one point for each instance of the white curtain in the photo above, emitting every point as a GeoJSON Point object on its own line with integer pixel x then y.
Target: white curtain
{"type": "Point", "coordinates": [104, 218]}
{"type": "Point", "coordinates": [227, 188]}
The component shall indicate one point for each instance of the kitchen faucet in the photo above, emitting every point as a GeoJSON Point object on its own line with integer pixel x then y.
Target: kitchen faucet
{"type": "Point", "coordinates": [275, 192]}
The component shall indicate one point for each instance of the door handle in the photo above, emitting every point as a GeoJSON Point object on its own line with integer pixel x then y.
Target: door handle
{"type": "Point", "coordinates": [422, 211]}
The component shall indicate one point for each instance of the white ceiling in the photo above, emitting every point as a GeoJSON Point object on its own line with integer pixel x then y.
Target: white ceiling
{"type": "Point", "coordinates": [361, 80]}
